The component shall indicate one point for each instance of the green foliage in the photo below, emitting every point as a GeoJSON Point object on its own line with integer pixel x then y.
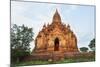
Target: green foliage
{"type": "Point", "coordinates": [92, 45]}
{"type": "Point", "coordinates": [21, 36]}
{"type": "Point", "coordinates": [68, 60]}
{"type": "Point", "coordinates": [83, 49]}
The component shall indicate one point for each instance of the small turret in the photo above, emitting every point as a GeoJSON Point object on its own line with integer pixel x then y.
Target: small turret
{"type": "Point", "coordinates": [44, 26]}
{"type": "Point", "coordinates": [68, 27]}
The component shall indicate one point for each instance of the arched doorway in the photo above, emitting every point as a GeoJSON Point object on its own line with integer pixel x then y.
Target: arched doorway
{"type": "Point", "coordinates": [56, 44]}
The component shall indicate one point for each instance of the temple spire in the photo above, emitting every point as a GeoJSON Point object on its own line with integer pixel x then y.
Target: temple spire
{"type": "Point", "coordinates": [56, 17]}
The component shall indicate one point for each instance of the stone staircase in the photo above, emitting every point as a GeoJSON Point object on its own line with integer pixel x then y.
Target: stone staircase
{"type": "Point", "coordinates": [57, 56]}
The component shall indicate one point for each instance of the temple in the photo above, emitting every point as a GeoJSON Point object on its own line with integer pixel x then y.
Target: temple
{"type": "Point", "coordinates": [55, 37]}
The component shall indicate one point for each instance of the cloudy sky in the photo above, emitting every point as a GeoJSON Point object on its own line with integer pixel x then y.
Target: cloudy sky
{"type": "Point", "coordinates": [81, 18]}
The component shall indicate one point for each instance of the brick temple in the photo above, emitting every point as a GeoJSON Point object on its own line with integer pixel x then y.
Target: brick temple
{"type": "Point", "coordinates": [55, 39]}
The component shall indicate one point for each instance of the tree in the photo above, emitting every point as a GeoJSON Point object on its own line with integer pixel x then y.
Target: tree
{"type": "Point", "coordinates": [83, 49]}
{"type": "Point", "coordinates": [92, 44]}
{"type": "Point", "coordinates": [21, 36]}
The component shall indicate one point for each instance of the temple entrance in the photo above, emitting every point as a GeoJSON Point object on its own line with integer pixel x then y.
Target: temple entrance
{"type": "Point", "coordinates": [56, 44]}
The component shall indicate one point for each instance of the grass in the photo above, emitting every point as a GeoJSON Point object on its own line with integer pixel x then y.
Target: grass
{"type": "Point", "coordinates": [67, 60]}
